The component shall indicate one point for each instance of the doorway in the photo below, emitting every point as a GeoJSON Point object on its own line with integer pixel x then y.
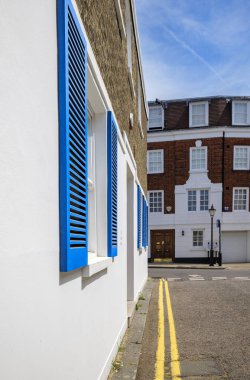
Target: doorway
{"type": "Point", "coordinates": [162, 244]}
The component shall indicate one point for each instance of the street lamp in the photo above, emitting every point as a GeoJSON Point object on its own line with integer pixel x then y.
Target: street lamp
{"type": "Point", "coordinates": [212, 211]}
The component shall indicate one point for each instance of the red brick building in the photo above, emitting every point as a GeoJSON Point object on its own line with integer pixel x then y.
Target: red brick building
{"type": "Point", "coordinates": [199, 155]}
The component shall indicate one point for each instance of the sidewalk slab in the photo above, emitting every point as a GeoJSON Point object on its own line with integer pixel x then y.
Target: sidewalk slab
{"type": "Point", "coordinates": [199, 266]}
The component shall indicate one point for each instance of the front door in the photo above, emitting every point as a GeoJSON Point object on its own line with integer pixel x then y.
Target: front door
{"type": "Point", "coordinates": [162, 244]}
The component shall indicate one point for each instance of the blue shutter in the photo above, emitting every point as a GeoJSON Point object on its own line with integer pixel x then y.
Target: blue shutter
{"type": "Point", "coordinates": [146, 225]}
{"type": "Point", "coordinates": [112, 138]}
{"type": "Point", "coordinates": [73, 134]}
{"type": "Point", "coordinates": [138, 217]}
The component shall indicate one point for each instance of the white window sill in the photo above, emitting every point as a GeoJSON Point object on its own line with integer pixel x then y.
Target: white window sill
{"type": "Point", "coordinates": [198, 249]}
{"type": "Point", "coordinates": [131, 82]}
{"type": "Point", "coordinates": [96, 265]}
{"type": "Point", "coordinates": [198, 171]}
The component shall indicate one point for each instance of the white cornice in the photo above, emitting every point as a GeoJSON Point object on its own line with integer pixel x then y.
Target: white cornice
{"type": "Point", "coordinates": [190, 134]}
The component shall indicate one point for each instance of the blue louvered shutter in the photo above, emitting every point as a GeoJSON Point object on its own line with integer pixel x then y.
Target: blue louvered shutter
{"type": "Point", "coordinates": [73, 133]}
{"type": "Point", "coordinates": [112, 139]}
{"type": "Point", "coordinates": [146, 225]}
{"type": "Point", "coordinates": [139, 211]}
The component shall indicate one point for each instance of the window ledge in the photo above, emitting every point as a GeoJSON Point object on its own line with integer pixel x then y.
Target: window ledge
{"type": "Point", "coordinates": [131, 82]}
{"type": "Point", "coordinates": [95, 265]}
{"type": "Point", "coordinates": [198, 249]}
{"type": "Point", "coordinates": [194, 171]}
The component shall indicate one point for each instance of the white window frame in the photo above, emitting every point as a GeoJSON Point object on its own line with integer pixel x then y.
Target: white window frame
{"type": "Point", "coordinates": [162, 119]}
{"type": "Point", "coordinates": [162, 161]}
{"type": "Point", "coordinates": [233, 111]}
{"type": "Point", "coordinates": [139, 105]}
{"type": "Point", "coordinates": [190, 159]}
{"type": "Point", "coordinates": [247, 200]}
{"type": "Point", "coordinates": [162, 201]}
{"type": "Point", "coordinates": [248, 157]}
{"type": "Point", "coordinates": [198, 199]}
{"type": "Point", "coordinates": [191, 124]}
{"type": "Point", "coordinates": [198, 247]}
{"type": "Point", "coordinates": [129, 46]}
{"type": "Point", "coordinates": [120, 18]}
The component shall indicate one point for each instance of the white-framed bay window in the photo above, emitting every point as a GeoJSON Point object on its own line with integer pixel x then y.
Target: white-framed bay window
{"type": "Point", "coordinates": [241, 157]}
{"type": "Point", "coordinates": [198, 159]}
{"type": "Point", "coordinates": [156, 118]}
{"type": "Point", "coordinates": [198, 114]}
{"type": "Point", "coordinates": [198, 238]}
{"type": "Point", "coordinates": [155, 161]}
{"type": "Point", "coordinates": [155, 200]}
{"type": "Point", "coordinates": [241, 199]}
{"type": "Point", "coordinates": [240, 112]}
{"type": "Point", "coordinates": [198, 200]}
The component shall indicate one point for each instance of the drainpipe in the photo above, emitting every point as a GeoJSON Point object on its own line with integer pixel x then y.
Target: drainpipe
{"type": "Point", "coordinates": [223, 168]}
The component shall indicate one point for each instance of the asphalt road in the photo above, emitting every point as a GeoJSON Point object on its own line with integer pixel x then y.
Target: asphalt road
{"type": "Point", "coordinates": [211, 312]}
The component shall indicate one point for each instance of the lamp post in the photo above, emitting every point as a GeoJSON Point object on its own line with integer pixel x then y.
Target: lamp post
{"type": "Point", "coordinates": [212, 211]}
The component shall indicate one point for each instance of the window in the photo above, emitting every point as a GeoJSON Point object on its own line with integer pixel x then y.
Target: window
{"type": "Point", "coordinates": [198, 200]}
{"type": "Point", "coordinates": [192, 200]}
{"type": "Point", "coordinates": [198, 159]}
{"type": "Point", "coordinates": [198, 238]}
{"type": "Point", "coordinates": [155, 122]}
{"type": "Point", "coordinates": [241, 158]}
{"type": "Point", "coordinates": [203, 200]}
{"type": "Point", "coordinates": [241, 113]}
{"type": "Point", "coordinates": [198, 114]}
{"type": "Point", "coordinates": [240, 198]}
{"type": "Point", "coordinates": [139, 104]}
{"type": "Point", "coordinates": [155, 201]}
{"type": "Point", "coordinates": [155, 161]}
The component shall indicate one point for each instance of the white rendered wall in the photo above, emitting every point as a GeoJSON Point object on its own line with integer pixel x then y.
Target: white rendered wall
{"type": "Point", "coordinates": [52, 326]}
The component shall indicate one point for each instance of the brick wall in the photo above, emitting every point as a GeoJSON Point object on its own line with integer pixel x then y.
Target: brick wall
{"type": "Point", "coordinates": [176, 167]}
{"type": "Point", "coordinates": [101, 24]}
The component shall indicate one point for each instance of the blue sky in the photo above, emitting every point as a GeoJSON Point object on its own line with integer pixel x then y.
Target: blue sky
{"type": "Point", "coordinates": [195, 47]}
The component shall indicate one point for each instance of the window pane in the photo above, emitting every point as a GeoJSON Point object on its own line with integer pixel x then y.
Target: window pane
{"type": "Point", "coordinates": [198, 114]}
{"type": "Point", "coordinates": [154, 162]}
{"type": "Point", "coordinates": [155, 201]}
{"type": "Point", "coordinates": [198, 158]}
{"type": "Point", "coordinates": [240, 199]}
{"type": "Point", "coordinates": [241, 158]}
{"type": "Point", "coordinates": [197, 238]}
{"type": "Point", "coordinates": [155, 118]}
{"type": "Point", "coordinates": [240, 113]}
{"type": "Point", "coordinates": [203, 200]}
{"type": "Point", "coordinates": [192, 200]}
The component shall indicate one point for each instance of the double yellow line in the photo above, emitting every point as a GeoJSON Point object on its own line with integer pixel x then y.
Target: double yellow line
{"type": "Point", "coordinates": [160, 353]}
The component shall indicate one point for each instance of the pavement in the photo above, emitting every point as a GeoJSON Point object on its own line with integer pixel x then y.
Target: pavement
{"type": "Point", "coordinates": [211, 321]}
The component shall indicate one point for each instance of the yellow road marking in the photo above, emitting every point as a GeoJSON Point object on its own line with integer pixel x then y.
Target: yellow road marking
{"type": "Point", "coordinates": [160, 353]}
{"type": "Point", "coordinates": [175, 359]}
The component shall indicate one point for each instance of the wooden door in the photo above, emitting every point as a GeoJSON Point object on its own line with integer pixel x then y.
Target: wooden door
{"type": "Point", "coordinates": [162, 244]}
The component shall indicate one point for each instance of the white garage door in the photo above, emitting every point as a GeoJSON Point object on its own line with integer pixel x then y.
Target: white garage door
{"type": "Point", "coordinates": [234, 247]}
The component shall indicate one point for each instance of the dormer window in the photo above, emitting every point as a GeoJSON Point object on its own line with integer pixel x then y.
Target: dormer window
{"type": "Point", "coordinates": [198, 114]}
{"type": "Point", "coordinates": [241, 113]}
{"type": "Point", "coordinates": [156, 119]}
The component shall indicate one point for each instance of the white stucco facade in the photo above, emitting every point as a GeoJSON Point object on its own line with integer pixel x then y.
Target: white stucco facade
{"type": "Point", "coordinates": [54, 325]}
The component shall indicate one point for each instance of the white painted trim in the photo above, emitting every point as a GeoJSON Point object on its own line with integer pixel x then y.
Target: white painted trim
{"type": "Point", "coordinates": [247, 203]}
{"type": "Point", "coordinates": [162, 161]}
{"type": "Point", "coordinates": [234, 102]}
{"type": "Point", "coordinates": [199, 133]}
{"type": "Point", "coordinates": [162, 201]}
{"type": "Point", "coordinates": [191, 104]}
{"type": "Point", "coordinates": [131, 81]}
{"type": "Point", "coordinates": [248, 157]}
{"type": "Point", "coordinates": [120, 18]}
{"type": "Point", "coordinates": [127, 145]}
